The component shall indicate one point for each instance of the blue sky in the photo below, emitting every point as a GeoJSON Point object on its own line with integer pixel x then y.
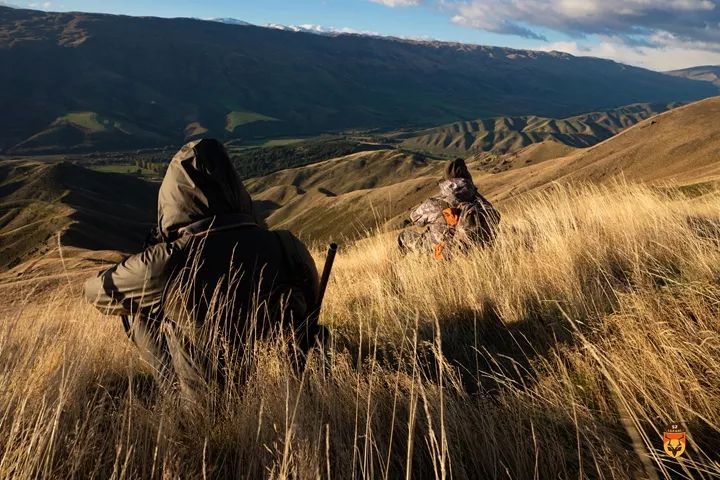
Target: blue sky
{"type": "Point", "coordinates": [657, 34]}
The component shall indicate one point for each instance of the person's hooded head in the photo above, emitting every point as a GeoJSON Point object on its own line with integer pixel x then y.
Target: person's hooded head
{"type": "Point", "coordinates": [200, 183]}
{"type": "Point", "coordinates": [457, 169]}
{"type": "Point", "coordinates": [457, 185]}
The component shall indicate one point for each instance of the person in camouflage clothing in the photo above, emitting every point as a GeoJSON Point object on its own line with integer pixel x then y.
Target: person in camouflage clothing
{"type": "Point", "coordinates": [456, 219]}
{"type": "Point", "coordinates": [209, 244]}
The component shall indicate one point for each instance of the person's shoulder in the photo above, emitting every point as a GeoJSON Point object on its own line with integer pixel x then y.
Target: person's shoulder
{"type": "Point", "coordinates": [434, 203]}
{"type": "Point", "coordinates": [289, 241]}
{"type": "Point", "coordinates": [164, 256]}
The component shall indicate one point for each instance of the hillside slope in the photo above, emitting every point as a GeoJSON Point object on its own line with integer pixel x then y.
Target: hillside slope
{"type": "Point", "coordinates": [502, 135]}
{"type": "Point", "coordinates": [343, 197]}
{"type": "Point", "coordinates": [679, 147]}
{"type": "Point", "coordinates": [174, 77]}
{"type": "Point", "coordinates": [90, 210]}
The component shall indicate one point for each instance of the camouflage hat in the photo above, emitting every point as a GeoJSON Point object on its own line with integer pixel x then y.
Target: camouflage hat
{"type": "Point", "coordinates": [457, 169]}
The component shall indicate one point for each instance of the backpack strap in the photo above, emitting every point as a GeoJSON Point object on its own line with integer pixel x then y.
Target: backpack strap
{"type": "Point", "coordinates": [289, 248]}
{"type": "Point", "coordinates": [307, 329]}
{"type": "Point", "coordinates": [300, 276]}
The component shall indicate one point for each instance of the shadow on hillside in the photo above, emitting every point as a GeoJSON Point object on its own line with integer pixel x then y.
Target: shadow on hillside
{"type": "Point", "coordinates": [706, 228]}
{"type": "Point", "coordinates": [264, 208]}
{"type": "Point", "coordinates": [491, 354]}
{"type": "Point", "coordinates": [487, 353]}
{"type": "Point", "coordinates": [112, 211]}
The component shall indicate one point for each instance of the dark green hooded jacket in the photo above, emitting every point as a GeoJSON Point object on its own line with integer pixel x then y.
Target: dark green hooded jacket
{"type": "Point", "coordinates": [208, 235]}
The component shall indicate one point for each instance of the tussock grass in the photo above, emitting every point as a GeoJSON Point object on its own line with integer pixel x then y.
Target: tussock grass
{"type": "Point", "coordinates": [560, 352]}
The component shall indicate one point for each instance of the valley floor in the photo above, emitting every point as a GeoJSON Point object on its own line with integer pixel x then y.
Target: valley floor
{"type": "Point", "coordinates": [560, 352]}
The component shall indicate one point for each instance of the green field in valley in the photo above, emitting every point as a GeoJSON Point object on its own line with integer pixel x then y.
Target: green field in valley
{"type": "Point", "coordinates": [236, 119]}
{"type": "Point", "coordinates": [126, 169]}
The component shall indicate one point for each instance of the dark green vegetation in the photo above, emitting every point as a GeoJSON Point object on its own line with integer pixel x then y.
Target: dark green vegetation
{"type": "Point", "coordinates": [89, 209]}
{"type": "Point", "coordinates": [256, 162]}
{"type": "Point", "coordinates": [103, 82]}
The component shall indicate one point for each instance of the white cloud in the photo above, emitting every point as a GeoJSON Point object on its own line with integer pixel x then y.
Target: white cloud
{"type": "Point", "coordinates": [668, 57]}
{"type": "Point", "coordinates": [40, 5]}
{"type": "Point", "coordinates": [687, 19]}
{"type": "Point", "coordinates": [398, 3]}
{"type": "Point", "coordinates": [657, 34]}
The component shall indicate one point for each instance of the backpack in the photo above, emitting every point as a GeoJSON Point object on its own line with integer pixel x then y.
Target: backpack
{"type": "Point", "coordinates": [303, 282]}
{"type": "Point", "coordinates": [468, 223]}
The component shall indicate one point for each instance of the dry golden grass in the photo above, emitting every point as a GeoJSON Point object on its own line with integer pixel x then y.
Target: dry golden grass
{"type": "Point", "coordinates": [560, 352]}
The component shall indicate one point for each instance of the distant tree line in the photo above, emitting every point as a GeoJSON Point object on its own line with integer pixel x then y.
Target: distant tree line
{"type": "Point", "coordinates": [153, 166]}
{"type": "Point", "coordinates": [256, 162]}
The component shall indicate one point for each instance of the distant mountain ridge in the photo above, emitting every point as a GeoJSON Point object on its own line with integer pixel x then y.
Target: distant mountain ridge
{"type": "Point", "coordinates": [230, 21]}
{"type": "Point", "coordinates": [503, 135]}
{"type": "Point", "coordinates": [706, 73]}
{"type": "Point", "coordinates": [91, 82]}
{"type": "Point", "coordinates": [680, 147]}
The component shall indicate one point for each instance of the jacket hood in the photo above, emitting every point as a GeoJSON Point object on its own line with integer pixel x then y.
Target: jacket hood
{"type": "Point", "coordinates": [457, 169]}
{"type": "Point", "coordinates": [200, 183]}
{"type": "Point", "coordinates": [458, 190]}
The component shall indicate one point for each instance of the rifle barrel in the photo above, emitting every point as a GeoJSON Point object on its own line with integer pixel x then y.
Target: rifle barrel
{"type": "Point", "coordinates": [126, 325]}
{"type": "Point", "coordinates": [332, 250]}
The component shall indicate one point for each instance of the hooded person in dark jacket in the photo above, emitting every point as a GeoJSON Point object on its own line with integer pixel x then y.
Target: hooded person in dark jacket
{"type": "Point", "coordinates": [211, 262]}
{"type": "Point", "coordinates": [457, 219]}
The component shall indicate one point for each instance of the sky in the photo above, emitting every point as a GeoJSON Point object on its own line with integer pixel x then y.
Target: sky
{"type": "Point", "coordinates": [655, 34]}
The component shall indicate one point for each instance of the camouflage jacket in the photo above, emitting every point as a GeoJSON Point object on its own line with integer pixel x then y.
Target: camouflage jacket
{"type": "Point", "coordinates": [459, 216]}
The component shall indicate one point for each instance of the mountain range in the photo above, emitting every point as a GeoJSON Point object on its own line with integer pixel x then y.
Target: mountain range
{"type": "Point", "coordinates": [104, 82]}
{"type": "Point", "coordinates": [503, 135]}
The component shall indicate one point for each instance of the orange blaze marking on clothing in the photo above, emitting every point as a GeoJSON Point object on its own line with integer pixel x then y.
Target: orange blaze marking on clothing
{"type": "Point", "coordinates": [452, 216]}
{"type": "Point", "coordinates": [438, 251]}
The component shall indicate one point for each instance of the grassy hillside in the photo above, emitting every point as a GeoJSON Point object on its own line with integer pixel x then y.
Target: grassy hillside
{"type": "Point", "coordinates": [171, 78]}
{"type": "Point", "coordinates": [88, 209]}
{"type": "Point", "coordinates": [561, 352]}
{"type": "Point", "coordinates": [346, 196]}
{"type": "Point", "coordinates": [532, 154]}
{"type": "Point", "coordinates": [237, 119]}
{"type": "Point", "coordinates": [503, 135]}
{"type": "Point", "coordinates": [83, 131]}
{"type": "Point", "coordinates": [679, 147]}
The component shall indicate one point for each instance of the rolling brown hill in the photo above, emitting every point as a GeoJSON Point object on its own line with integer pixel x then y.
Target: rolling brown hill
{"type": "Point", "coordinates": [533, 153]}
{"type": "Point", "coordinates": [493, 137]}
{"type": "Point", "coordinates": [88, 209]}
{"type": "Point", "coordinates": [680, 147]}
{"type": "Point", "coordinates": [347, 195]}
